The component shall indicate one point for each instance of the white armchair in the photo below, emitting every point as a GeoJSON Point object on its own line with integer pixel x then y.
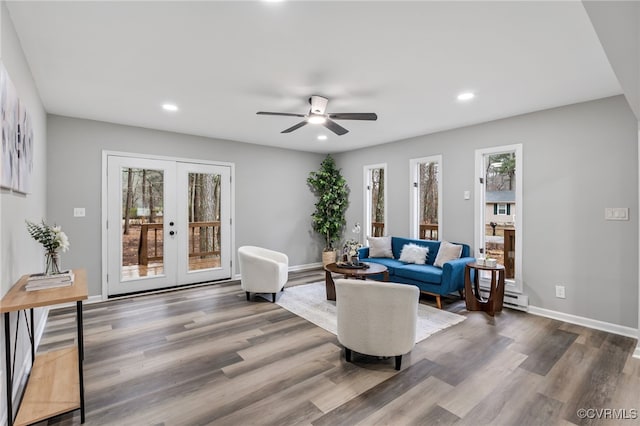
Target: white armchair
{"type": "Point", "coordinates": [262, 270]}
{"type": "Point", "coordinates": [376, 318]}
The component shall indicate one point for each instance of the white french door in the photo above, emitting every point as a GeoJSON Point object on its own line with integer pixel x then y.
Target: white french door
{"type": "Point", "coordinates": [168, 223]}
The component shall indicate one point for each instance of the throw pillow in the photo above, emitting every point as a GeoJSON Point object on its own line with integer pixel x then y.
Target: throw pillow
{"type": "Point", "coordinates": [413, 253]}
{"type": "Point", "coordinates": [446, 253]}
{"type": "Point", "coordinates": [380, 247]}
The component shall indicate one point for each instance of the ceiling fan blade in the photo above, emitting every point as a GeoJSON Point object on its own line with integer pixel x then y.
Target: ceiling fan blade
{"type": "Point", "coordinates": [335, 127]}
{"type": "Point", "coordinates": [296, 127]}
{"type": "Point", "coordinates": [287, 114]}
{"type": "Point", "coordinates": [354, 116]}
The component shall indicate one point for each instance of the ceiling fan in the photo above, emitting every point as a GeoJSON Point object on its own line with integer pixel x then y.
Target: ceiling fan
{"type": "Point", "coordinates": [317, 115]}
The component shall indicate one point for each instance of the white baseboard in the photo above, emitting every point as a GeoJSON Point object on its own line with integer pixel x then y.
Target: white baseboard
{"type": "Point", "coordinates": [587, 322]}
{"type": "Point", "coordinates": [94, 299]}
{"type": "Point", "coordinates": [306, 267]}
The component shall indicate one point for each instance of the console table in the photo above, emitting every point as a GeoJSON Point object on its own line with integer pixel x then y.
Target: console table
{"type": "Point", "coordinates": [475, 302]}
{"type": "Point", "coordinates": [56, 384]}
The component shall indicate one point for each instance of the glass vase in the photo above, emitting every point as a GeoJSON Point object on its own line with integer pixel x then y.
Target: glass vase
{"type": "Point", "coordinates": [52, 263]}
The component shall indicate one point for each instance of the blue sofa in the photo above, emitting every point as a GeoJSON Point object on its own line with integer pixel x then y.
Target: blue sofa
{"type": "Point", "coordinates": [428, 278]}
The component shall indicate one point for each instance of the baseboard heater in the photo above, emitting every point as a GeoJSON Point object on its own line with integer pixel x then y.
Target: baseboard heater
{"type": "Point", "coordinates": [511, 300]}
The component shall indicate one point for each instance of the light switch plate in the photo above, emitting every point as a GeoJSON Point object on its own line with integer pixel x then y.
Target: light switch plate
{"type": "Point", "coordinates": [616, 213]}
{"type": "Point", "coordinates": [467, 195]}
{"type": "Point", "coordinates": [78, 212]}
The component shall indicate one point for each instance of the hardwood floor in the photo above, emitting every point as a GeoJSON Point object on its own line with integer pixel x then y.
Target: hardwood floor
{"type": "Point", "coordinates": [207, 356]}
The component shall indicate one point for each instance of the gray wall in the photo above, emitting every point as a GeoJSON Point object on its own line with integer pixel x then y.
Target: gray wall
{"type": "Point", "coordinates": [19, 253]}
{"type": "Point", "coordinates": [272, 206]}
{"type": "Point", "coordinates": [578, 160]}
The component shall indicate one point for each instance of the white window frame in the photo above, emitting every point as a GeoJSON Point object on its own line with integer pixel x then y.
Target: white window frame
{"type": "Point", "coordinates": [366, 178]}
{"type": "Point", "coordinates": [514, 285]}
{"type": "Point", "coordinates": [498, 209]}
{"type": "Point", "coordinates": [414, 201]}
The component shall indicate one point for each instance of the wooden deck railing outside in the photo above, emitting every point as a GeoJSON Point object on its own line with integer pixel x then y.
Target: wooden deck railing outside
{"type": "Point", "coordinates": [429, 228]}
{"type": "Point", "coordinates": [197, 231]}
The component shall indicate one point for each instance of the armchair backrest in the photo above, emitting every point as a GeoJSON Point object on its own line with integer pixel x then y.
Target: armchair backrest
{"type": "Point", "coordinates": [376, 318]}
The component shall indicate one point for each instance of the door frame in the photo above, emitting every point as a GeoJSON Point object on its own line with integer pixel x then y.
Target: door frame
{"type": "Point", "coordinates": [516, 284]}
{"type": "Point", "coordinates": [104, 210]}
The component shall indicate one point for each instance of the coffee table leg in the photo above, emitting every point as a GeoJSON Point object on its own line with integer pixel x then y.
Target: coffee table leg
{"type": "Point", "coordinates": [385, 276]}
{"type": "Point", "coordinates": [330, 285]}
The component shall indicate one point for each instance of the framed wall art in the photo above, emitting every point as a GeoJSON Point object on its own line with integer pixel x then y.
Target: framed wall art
{"type": "Point", "coordinates": [16, 157]}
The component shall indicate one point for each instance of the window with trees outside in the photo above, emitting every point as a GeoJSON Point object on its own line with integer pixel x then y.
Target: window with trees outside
{"type": "Point", "coordinates": [426, 193]}
{"type": "Point", "coordinates": [499, 209]}
{"type": "Point", "coordinates": [375, 200]}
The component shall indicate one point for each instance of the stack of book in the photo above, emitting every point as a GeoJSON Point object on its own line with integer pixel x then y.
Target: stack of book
{"type": "Point", "coordinates": [42, 281]}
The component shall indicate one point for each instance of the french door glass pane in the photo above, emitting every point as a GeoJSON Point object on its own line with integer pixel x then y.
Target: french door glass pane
{"type": "Point", "coordinates": [142, 223]}
{"type": "Point", "coordinates": [204, 221]}
{"type": "Point", "coordinates": [428, 200]}
{"type": "Point", "coordinates": [500, 210]}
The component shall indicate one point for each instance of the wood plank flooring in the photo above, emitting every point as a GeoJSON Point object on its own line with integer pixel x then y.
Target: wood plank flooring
{"type": "Point", "coordinates": [205, 356]}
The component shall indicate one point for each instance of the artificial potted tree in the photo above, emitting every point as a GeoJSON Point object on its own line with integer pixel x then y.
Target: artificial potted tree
{"type": "Point", "coordinates": [332, 191]}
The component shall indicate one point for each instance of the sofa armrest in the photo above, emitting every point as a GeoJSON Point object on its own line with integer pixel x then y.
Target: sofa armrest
{"type": "Point", "coordinates": [363, 253]}
{"type": "Point", "coordinates": [453, 274]}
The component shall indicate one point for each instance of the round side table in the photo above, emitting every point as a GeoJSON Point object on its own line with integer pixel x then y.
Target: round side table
{"type": "Point", "coordinates": [472, 297]}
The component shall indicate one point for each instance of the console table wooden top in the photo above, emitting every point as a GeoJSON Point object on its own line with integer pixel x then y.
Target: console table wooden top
{"type": "Point", "coordinates": [18, 298]}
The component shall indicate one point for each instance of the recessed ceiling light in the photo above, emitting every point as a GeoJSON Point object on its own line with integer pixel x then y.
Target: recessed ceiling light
{"type": "Point", "coordinates": [169, 107]}
{"type": "Point", "coordinates": [316, 119]}
{"type": "Point", "coordinates": [322, 137]}
{"type": "Point", "coordinates": [466, 96]}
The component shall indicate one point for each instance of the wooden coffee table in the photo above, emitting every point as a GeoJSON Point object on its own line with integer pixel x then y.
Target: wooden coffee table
{"type": "Point", "coordinates": [373, 269]}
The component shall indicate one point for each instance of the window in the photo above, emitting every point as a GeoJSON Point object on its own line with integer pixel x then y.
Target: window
{"type": "Point", "coordinates": [426, 193]}
{"type": "Point", "coordinates": [375, 192]}
{"type": "Point", "coordinates": [498, 216]}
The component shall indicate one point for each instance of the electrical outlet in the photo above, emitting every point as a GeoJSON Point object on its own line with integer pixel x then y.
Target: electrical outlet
{"type": "Point", "coordinates": [560, 292]}
{"type": "Point", "coordinates": [78, 212]}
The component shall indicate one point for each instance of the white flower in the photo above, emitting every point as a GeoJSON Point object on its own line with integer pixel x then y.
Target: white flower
{"type": "Point", "coordinates": [51, 237]}
{"type": "Point", "coordinates": [63, 240]}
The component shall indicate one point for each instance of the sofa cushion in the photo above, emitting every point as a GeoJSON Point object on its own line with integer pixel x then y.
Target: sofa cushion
{"type": "Point", "coordinates": [446, 253]}
{"type": "Point", "coordinates": [413, 253]}
{"type": "Point", "coordinates": [397, 243]}
{"type": "Point", "coordinates": [380, 247]}
{"type": "Point", "coordinates": [426, 273]}
{"type": "Point", "coordinates": [391, 264]}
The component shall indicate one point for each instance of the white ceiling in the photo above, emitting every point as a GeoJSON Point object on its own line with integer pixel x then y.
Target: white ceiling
{"type": "Point", "coordinates": [221, 62]}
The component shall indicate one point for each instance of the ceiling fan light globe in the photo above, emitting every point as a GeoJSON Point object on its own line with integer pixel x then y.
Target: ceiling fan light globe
{"type": "Point", "coordinates": [316, 119]}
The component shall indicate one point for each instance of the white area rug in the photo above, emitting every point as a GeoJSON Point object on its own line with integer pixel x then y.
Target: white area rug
{"type": "Point", "coordinates": [310, 302]}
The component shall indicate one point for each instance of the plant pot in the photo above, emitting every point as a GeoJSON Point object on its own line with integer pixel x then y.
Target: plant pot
{"type": "Point", "coordinates": [328, 257]}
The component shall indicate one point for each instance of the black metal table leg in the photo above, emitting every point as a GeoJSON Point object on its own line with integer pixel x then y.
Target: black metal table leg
{"type": "Point", "coordinates": [7, 351]}
{"type": "Point", "coordinates": [80, 357]}
{"type": "Point", "coordinates": [32, 339]}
